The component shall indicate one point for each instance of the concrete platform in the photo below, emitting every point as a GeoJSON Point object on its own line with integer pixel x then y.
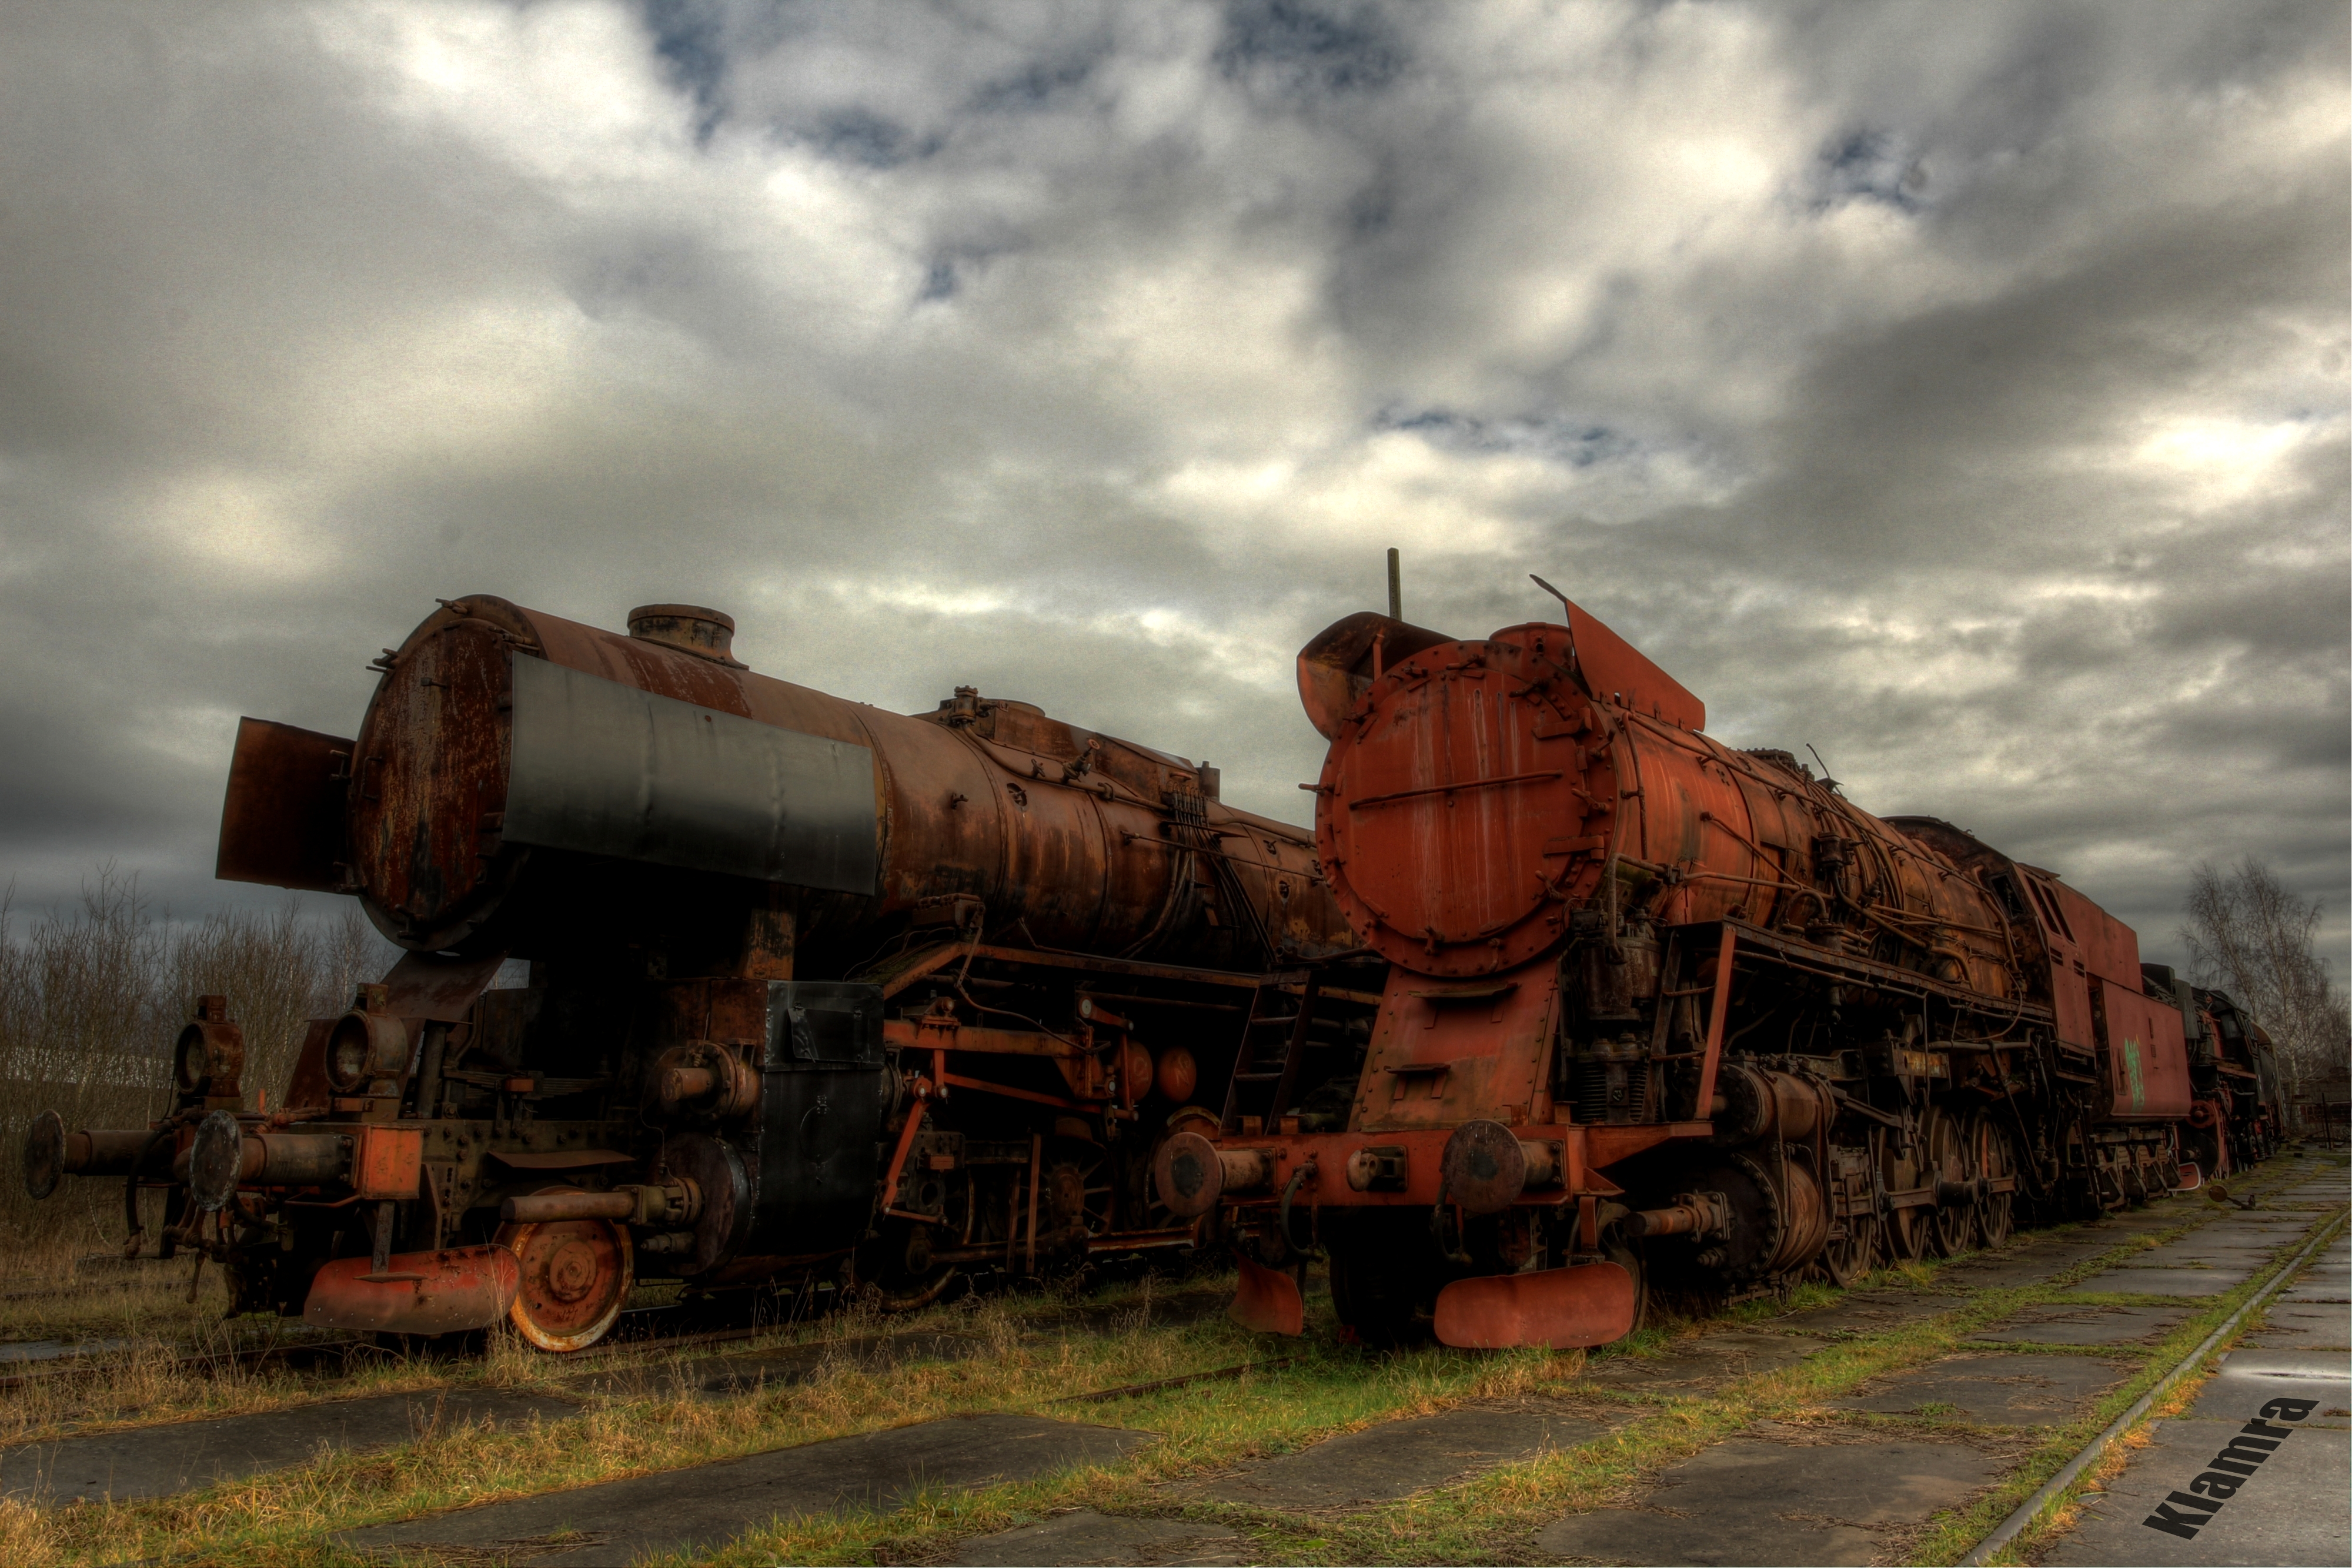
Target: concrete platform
{"type": "Point", "coordinates": [2293, 1510]}
{"type": "Point", "coordinates": [1705, 1361]}
{"type": "Point", "coordinates": [2005, 1270]}
{"type": "Point", "coordinates": [2319, 1284]}
{"type": "Point", "coordinates": [1755, 1501]}
{"type": "Point", "coordinates": [2203, 1249]}
{"type": "Point", "coordinates": [1869, 1313]}
{"type": "Point", "coordinates": [707, 1505]}
{"type": "Point", "coordinates": [2055, 1324]}
{"type": "Point", "coordinates": [182, 1456]}
{"type": "Point", "coordinates": [1396, 1458]}
{"type": "Point", "coordinates": [1087, 1537]}
{"type": "Point", "coordinates": [1994, 1390]}
{"type": "Point", "coordinates": [2302, 1325]}
{"type": "Point", "coordinates": [2193, 1283]}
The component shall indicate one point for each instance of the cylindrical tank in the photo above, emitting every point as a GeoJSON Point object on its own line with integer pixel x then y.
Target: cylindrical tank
{"type": "Point", "coordinates": [1479, 794]}
{"type": "Point", "coordinates": [499, 734]}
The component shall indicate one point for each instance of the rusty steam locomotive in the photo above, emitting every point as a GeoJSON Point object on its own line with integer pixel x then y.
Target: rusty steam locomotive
{"type": "Point", "coordinates": [815, 989]}
{"type": "Point", "coordinates": [1559, 997]}
{"type": "Point", "coordinates": [1657, 1009]}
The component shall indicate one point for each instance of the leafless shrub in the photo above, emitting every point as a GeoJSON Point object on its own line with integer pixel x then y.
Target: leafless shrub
{"type": "Point", "coordinates": [93, 997]}
{"type": "Point", "coordinates": [2249, 936]}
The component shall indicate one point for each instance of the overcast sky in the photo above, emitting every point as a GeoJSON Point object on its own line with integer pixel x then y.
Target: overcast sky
{"type": "Point", "coordinates": [1961, 388]}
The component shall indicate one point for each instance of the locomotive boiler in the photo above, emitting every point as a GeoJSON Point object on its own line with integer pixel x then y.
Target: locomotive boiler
{"type": "Point", "coordinates": [815, 989]}
{"type": "Point", "coordinates": [1657, 1009]}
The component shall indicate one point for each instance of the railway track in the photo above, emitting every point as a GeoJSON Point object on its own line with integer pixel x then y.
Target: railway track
{"type": "Point", "coordinates": [651, 1327]}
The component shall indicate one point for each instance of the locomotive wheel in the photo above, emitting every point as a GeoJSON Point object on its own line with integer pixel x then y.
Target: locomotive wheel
{"type": "Point", "coordinates": [1995, 1157]}
{"type": "Point", "coordinates": [1905, 1238]}
{"type": "Point", "coordinates": [1077, 1188]}
{"type": "Point", "coordinates": [894, 1271]}
{"type": "Point", "coordinates": [1849, 1257]}
{"type": "Point", "coordinates": [1951, 1229]}
{"type": "Point", "coordinates": [576, 1274]}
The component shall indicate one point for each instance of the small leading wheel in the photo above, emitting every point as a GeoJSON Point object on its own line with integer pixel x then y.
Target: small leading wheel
{"type": "Point", "coordinates": [1995, 1154]}
{"type": "Point", "coordinates": [576, 1275]}
{"type": "Point", "coordinates": [1952, 1228]}
{"type": "Point", "coordinates": [1849, 1257]}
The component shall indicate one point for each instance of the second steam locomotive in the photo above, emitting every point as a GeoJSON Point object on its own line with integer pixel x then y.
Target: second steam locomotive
{"type": "Point", "coordinates": [1661, 1010]}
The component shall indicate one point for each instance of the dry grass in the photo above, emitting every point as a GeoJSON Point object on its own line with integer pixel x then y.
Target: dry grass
{"type": "Point", "coordinates": [93, 999]}
{"type": "Point", "coordinates": [1027, 1364]}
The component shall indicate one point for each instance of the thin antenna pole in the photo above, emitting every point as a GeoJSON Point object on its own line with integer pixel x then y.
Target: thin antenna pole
{"type": "Point", "coordinates": [1396, 587]}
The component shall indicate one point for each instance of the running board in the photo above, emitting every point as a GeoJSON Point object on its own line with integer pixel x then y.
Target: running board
{"type": "Point", "coordinates": [1587, 1305]}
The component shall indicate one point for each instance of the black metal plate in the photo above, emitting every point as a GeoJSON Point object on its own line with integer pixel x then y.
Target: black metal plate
{"type": "Point", "coordinates": [606, 769]}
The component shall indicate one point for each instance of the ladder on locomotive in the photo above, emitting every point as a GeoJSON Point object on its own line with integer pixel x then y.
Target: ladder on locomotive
{"type": "Point", "coordinates": [1275, 1045]}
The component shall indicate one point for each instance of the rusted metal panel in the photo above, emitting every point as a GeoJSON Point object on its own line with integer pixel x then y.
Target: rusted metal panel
{"type": "Point", "coordinates": [418, 1293]}
{"type": "Point", "coordinates": [1566, 1308]}
{"type": "Point", "coordinates": [1059, 832]}
{"type": "Point", "coordinates": [429, 986]}
{"type": "Point", "coordinates": [2147, 1060]}
{"type": "Point", "coordinates": [428, 782]}
{"type": "Point", "coordinates": [607, 769]}
{"type": "Point", "coordinates": [1437, 1058]}
{"type": "Point", "coordinates": [282, 822]}
{"type": "Point", "coordinates": [1265, 1302]}
{"type": "Point", "coordinates": [386, 1162]}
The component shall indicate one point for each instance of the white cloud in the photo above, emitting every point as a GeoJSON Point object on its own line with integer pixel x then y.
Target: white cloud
{"type": "Point", "coordinates": [1961, 389]}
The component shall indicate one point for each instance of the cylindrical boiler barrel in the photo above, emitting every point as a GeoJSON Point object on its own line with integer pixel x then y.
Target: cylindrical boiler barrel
{"type": "Point", "coordinates": [499, 733]}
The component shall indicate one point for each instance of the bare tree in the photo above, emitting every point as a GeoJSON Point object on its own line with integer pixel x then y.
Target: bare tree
{"type": "Point", "coordinates": [2249, 936]}
{"type": "Point", "coordinates": [91, 999]}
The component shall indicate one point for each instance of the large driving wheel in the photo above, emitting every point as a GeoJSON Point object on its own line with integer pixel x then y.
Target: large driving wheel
{"type": "Point", "coordinates": [1951, 1229]}
{"type": "Point", "coordinates": [576, 1275]}
{"type": "Point", "coordinates": [1849, 1257]}
{"type": "Point", "coordinates": [1907, 1228]}
{"type": "Point", "coordinates": [1996, 1156]}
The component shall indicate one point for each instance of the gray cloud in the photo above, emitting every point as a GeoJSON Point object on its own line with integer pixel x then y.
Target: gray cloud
{"type": "Point", "coordinates": [1961, 390]}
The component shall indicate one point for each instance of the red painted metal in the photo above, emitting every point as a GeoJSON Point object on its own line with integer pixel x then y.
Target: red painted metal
{"type": "Point", "coordinates": [1480, 790]}
{"type": "Point", "coordinates": [1718, 1009]}
{"type": "Point", "coordinates": [418, 1293]}
{"type": "Point", "coordinates": [1266, 1301]}
{"type": "Point", "coordinates": [386, 1162]}
{"type": "Point", "coordinates": [1586, 1304]}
